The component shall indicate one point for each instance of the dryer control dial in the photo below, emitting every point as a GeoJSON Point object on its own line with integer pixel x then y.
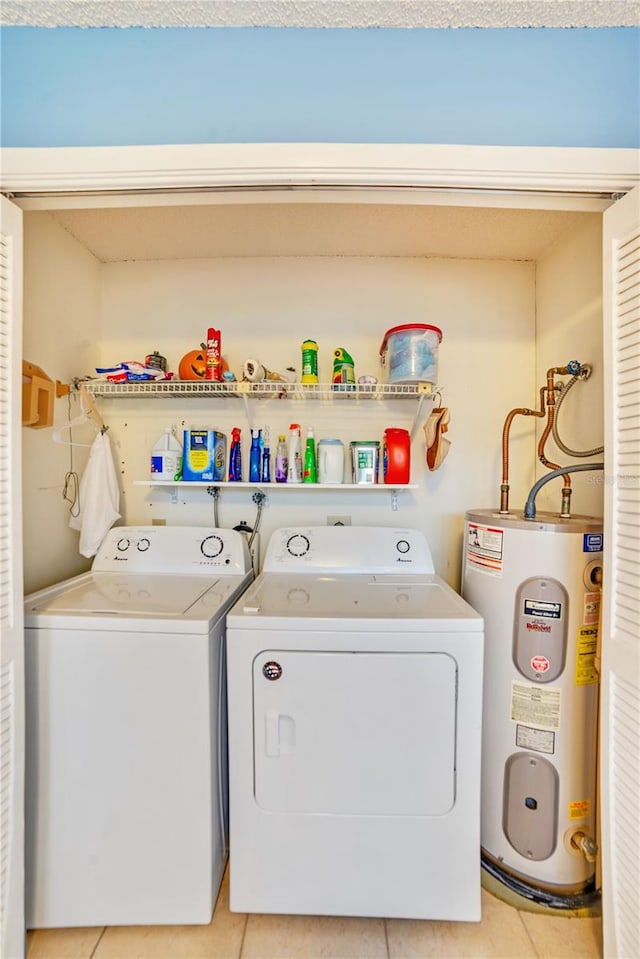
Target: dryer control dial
{"type": "Point", "coordinates": [298, 545]}
{"type": "Point", "coordinates": [403, 546]}
{"type": "Point", "coordinates": [211, 546]}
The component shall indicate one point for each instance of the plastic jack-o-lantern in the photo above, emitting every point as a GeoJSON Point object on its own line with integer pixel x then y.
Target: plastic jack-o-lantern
{"type": "Point", "coordinates": [193, 365]}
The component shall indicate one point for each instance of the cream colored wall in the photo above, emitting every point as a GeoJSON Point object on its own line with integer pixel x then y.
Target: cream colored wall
{"type": "Point", "coordinates": [61, 307]}
{"type": "Point", "coordinates": [504, 322]}
{"type": "Point", "coordinates": [569, 326]}
{"type": "Point", "coordinates": [265, 308]}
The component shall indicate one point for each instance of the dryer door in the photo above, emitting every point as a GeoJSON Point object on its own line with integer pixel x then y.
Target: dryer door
{"type": "Point", "coordinates": [355, 733]}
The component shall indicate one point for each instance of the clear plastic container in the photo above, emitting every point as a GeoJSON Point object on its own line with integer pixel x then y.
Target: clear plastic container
{"type": "Point", "coordinates": [365, 461]}
{"type": "Point", "coordinates": [409, 353]}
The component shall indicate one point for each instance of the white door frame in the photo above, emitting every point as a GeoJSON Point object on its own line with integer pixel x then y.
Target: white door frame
{"type": "Point", "coordinates": [574, 172]}
{"type": "Point", "coordinates": [555, 178]}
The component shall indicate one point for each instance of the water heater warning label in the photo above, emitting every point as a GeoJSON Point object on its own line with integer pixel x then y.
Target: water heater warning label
{"type": "Point", "coordinates": [535, 706]}
{"type": "Point", "coordinates": [540, 664]}
{"type": "Point", "coordinates": [580, 809]}
{"type": "Point", "coordinates": [484, 549]}
{"type": "Point", "coordinates": [591, 614]}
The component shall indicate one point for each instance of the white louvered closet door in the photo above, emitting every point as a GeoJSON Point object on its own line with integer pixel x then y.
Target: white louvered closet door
{"type": "Point", "coordinates": [620, 699]}
{"type": "Point", "coordinates": [12, 934]}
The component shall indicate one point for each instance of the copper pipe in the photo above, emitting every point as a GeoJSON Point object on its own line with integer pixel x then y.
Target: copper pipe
{"type": "Point", "coordinates": [551, 402]}
{"type": "Point", "coordinates": [565, 507]}
{"type": "Point", "coordinates": [519, 411]}
{"type": "Point", "coordinates": [543, 439]}
{"type": "Point", "coordinates": [548, 401]}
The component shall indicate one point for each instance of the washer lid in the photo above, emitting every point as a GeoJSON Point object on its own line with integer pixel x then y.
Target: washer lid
{"type": "Point", "coordinates": [118, 597]}
{"type": "Point", "coordinates": [419, 600]}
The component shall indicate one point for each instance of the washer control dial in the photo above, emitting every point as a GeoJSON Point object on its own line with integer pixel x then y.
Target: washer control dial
{"type": "Point", "coordinates": [298, 545]}
{"type": "Point", "coordinates": [211, 546]}
{"type": "Point", "coordinates": [123, 545]}
{"type": "Point", "coordinates": [143, 545]}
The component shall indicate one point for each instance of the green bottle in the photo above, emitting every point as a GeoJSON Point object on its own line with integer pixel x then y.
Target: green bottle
{"type": "Point", "coordinates": [310, 474]}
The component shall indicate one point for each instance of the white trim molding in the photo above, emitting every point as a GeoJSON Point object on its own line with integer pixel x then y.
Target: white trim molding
{"type": "Point", "coordinates": [55, 170]}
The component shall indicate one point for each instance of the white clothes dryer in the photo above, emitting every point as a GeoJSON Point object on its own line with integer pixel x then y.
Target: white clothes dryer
{"type": "Point", "coordinates": [126, 762]}
{"type": "Point", "coordinates": [355, 698]}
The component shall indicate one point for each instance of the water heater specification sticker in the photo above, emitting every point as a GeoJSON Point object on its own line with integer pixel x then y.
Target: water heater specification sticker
{"type": "Point", "coordinates": [537, 740]}
{"type": "Point", "coordinates": [484, 549]}
{"type": "Point", "coordinates": [537, 706]}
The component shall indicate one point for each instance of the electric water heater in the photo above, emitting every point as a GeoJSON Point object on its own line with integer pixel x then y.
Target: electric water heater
{"type": "Point", "coordinates": [537, 585]}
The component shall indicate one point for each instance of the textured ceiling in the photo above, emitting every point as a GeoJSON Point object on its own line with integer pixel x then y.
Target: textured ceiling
{"type": "Point", "coordinates": [320, 13]}
{"type": "Point", "coordinates": [331, 229]}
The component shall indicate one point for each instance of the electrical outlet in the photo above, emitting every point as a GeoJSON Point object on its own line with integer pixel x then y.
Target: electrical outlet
{"type": "Point", "coordinates": [158, 522]}
{"type": "Point", "coordinates": [338, 521]}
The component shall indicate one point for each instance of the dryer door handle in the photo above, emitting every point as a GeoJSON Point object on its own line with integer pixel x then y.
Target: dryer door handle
{"type": "Point", "coordinates": [280, 733]}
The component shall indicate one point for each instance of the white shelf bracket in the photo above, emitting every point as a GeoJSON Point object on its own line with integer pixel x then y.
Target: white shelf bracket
{"type": "Point", "coordinates": [416, 418]}
{"type": "Point", "coordinates": [247, 410]}
{"type": "Point", "coordinates": [394, 500]}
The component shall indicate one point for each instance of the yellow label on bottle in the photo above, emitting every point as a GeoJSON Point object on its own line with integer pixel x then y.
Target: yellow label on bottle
{"type": "Point", "coordinates": [309, 362]}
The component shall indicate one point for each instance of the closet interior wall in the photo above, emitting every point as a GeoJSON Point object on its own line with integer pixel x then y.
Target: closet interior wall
{"type": "Point", "coordinates": [502, 319]}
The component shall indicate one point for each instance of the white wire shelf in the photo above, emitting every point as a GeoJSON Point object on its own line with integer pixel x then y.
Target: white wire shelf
{"type": "Point", "coordinates": [190, 389]}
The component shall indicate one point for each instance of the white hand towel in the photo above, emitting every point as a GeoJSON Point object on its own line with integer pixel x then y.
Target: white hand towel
{"type": "Point", "coordinates": [99, 497]}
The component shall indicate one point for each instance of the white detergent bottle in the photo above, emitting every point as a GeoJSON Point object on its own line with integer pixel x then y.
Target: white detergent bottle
{"type": "Point", "coordinates": [294, 468]}
{"type": "Point", "coordinates": [166, 458]}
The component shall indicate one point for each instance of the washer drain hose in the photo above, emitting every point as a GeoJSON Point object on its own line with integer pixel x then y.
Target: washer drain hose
{"type": "Point", "coordinates": [530, 505]}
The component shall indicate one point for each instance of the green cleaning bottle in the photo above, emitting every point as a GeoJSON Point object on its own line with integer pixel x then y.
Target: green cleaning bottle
{"type": "Point", "coordinates": [310, 474]}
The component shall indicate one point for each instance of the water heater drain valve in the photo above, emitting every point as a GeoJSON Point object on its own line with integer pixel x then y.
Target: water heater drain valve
{"type": "Point", "coordinates": [586, 845]}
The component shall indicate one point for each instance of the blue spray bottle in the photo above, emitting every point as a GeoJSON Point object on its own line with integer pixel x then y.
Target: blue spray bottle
{"type": "Point", "coordinates": [255, 456]}
{"type": "Point", "coordinates": [265, 472]}
{"type": "Point", "coordinates": [235, 457]}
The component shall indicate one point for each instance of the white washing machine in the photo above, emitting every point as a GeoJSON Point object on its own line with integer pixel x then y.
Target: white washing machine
{"type": "Point", "coordinates": [355, 699]}
{"type": "Point", "coordinates": [126, 802]}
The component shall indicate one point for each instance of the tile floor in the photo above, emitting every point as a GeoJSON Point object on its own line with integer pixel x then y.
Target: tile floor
{"type": "Point", "coordinates": [504, 933]}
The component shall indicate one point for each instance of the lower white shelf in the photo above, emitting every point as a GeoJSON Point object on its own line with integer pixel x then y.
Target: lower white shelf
{"type": "Point", "coordinates": [280, 487]}
{"type": "Point", "coordinates": [264, 488]}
